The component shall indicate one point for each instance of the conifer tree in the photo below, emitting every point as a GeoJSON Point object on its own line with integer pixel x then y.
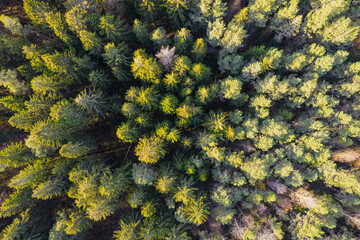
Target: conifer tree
{"type": "Point", "coordinates": [141, 32]}
{"type": "Point", "coordinates": [13, 24]}
{"type": "Point", "coordinates": [58, 25]}
{"type": "Point", "coordinates": [93, 102]}
{"type": "Point", "coordinates": [145, 68]}
{"type": "Point", "coordinates": [150, 150]}
{"type": "Point", "coordinates": [183, 40]}
{"type": "Point", "coordinates": [177, 11]}
{"type": "Point", "coordinates": [36, 10]}
{"type": "Point", "coordinates": [199, 50]}
{"type": "Point", "coordinates": [15, 155]}
{"type": "Point", "coordinates": [90, 42]}
{"type": "Point", "coordinates": [8, 79]}
{"type": "Point", "coordinates": [117, 57]}
{"type": "Point", "coordinates": [114, 29]}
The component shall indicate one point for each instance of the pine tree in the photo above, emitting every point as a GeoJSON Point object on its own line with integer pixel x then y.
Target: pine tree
{"type": "Point", "coordinates": [145, 68]}
{"type": "Point", "coordinates": [141, 32]}
{"type": "Point", "coordinates": [114, 29]}
{"type": "Point", "coordinates": [215, 31]}
{"type": "Point", "coordinates": [13, 103]}
{"type": "Point", "coordinates": [36, 10]}
{"type": "Point", "coordinates": [143, 174]}
{"type": "Point", "coordinates": [76, 222]}
{"type": "Point", "coordinates": [233, 37]}
{"type": "Point", "coordinates": [13, 24]}
{"type": "Point", "coordinates": [18, 228]}
{"type": "Point", "coordinates": [30, 176]}
{"type": "Point", "coordinates": [182, 65]}
{"type": "Point", "coordinates": [232, 63]}
{"type": "Point", "coordinates": [47, 134]}
{"type": "Point", "coordinates": [177, 11]}
{"type": "Point", "coordinates": [100, 79]}
{"type": "Point", "coordinates": [340, 31]}
{"type": "Point", "coordinates": [117, 58]}
{"type": "Point", "coordinates": [17, 202]}
{"type": "Point", "coordinates": [90, 42]}
{"type": "Point", "coordinates": [158, 36]}
{"type": "Point", "coordinates": [147, 98]}
{"type": "Point", "coordinates": [200, 72]}
{"type": "Point", "coordinates": [58, 25]}
{"type": "Point", "coordinates": [77, 149]}
{"type": "Point", "coordinates": [183, 40]}
{"type": "Point", "coordinates": [49, 189]}
{"type": "Point", "coordinates": [8, 79]}
{"type": "Point", "coordinates": [260, 10]}
{"type": "Point", "coordinates": [127, 230]}
{"type": "Point", "coordinates": [127, 132]}
{"type": "Point", "coordinates": [15, 155]}
{"type": "Point", "coordinates": [169, 104]}
{"type": "Point", "coordinates": [205, 11]}
{"type": "Point", "coordinates": [93, 102]}
{"type": "Point", "coordinates": [44, 84]}
{"type": "Point", "coordinates": [199, 50]}
{"type": "Point", "coordinates": [149, 9]}
{"type": "Point", "coordinates": [76, 17]}
{"type": "Point", "coordinates": [231, 88]}
{"type": "Point", "coordinates": [216, 121]}
{"type": "Point", "coordinates": [196, 210]}
{"type": "Point", "coordinates": [150, 150]}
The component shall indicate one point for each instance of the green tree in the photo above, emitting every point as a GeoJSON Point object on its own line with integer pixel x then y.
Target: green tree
{"type": "Point", "coordinates": [90, 42]}
{"type": "Point", "coordinates": [149, 9]}
{"type": "Point", "coordinates": [49, 189]}
{"type": "Point", "coordinates": [127, 230]}
{"type": "Point", "coordinates": [118, 59]}
{"type": "Point", "coordinates": [13, 24]}
{"type": "Point", "coordinates": [260, 10]}
{"type": "Point", "coordinates": [57, 23]}
{"type": "Point", "coordinates": [141, 32]}
{"type": "Point", "coordinates": [200, 72]}
{"type": "Point", "coordinates": [231, 88]}
{"type": "Point", "coordinates": [147, 98]}
{"type": "Point", "coordinates": [340, 31]}
{"type": "Point", "coordinates": [127, 132]}
{"type": "Point", "coordinates": [199, 50]}
{"type": "Point", "coordinates": [145, 68]}
{"type": "Point", "coordinates": [215, 31]}
{"type": "Point", "coordinates": [93, 102]}
{"type": "Point", "coordinates": [197, 210]}
{"type": "Point", "coordinates": [159, 36]}
{"type": "Point", "coordinates": [183, 40]}
{"type": "Point", "coordinates": [233, 37]}
{"type": "Point", "coordinates": [15, 155]}
{"type": "Point", "coordinates": [177, 11]}
{"type": "Point", "coordinates": [143, 174]}
{"type": "Point", "coordinates": [216, 121]}
{"type": "Point", "coordinates": [76, 17]}
{"type": "Point", "coordinates": [169, 104]}
{"type": "Point", "coordinates": [77, 149]}
{"type": "Point", "coordinates": [113, 29]}
{"type": "Point", "coordinates": [17, 202]}
{"type": "Point", "coordinates": [150, 150]}
{"type": "Point", "coordinates": [18, 228]}
{"type": "Point", "coordinates": [9, 79]}
{"type": "Point", "coordinates": [36, 10]}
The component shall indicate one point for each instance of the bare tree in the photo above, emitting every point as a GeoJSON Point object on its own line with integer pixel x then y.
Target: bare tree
{"type": "Point", "coordinates": [166, 57]}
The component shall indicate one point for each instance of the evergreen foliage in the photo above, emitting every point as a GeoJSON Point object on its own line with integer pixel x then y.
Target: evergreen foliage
{"type": "Point", "coordinates": [179, 119]}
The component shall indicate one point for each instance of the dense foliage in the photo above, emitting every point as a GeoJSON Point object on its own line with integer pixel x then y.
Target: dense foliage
{"type": "Point", "coordinates": [180, 119]}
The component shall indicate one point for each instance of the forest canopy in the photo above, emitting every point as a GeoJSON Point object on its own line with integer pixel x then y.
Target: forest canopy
{"type": "Point", "coordinates": [179, 119]}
